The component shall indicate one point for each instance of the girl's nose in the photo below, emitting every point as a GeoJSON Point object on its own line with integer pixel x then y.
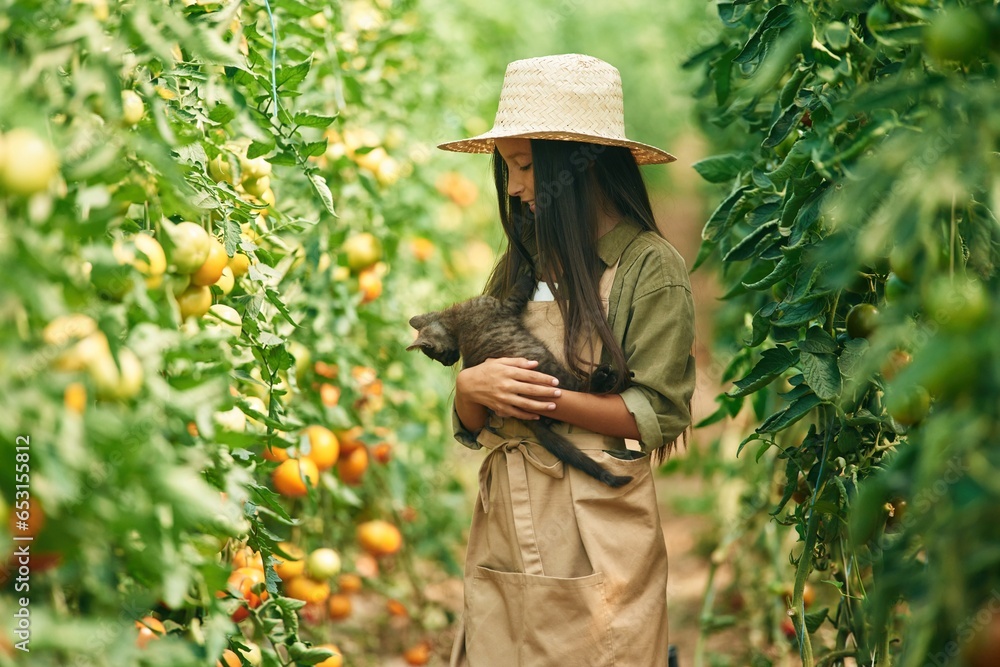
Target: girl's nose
{"type": "Point", "coordinates": [514, 186]}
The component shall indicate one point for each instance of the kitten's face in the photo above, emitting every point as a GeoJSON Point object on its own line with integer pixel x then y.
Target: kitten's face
{"type": "Point", "coordinates": [434, 339]}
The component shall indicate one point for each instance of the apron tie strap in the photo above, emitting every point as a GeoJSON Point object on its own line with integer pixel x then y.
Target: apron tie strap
{"type": "Point", "coordinates": [517, 456]}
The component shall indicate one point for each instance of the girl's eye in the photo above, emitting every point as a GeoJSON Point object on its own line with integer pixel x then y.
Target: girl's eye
{"type": "Point", "coordinates": [526, 167]}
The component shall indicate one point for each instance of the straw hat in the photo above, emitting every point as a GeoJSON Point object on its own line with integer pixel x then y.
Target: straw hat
{"type": "Point", "coordinates": [570, 97]}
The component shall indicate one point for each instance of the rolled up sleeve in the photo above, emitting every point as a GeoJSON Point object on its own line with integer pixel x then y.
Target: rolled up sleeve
{"type": "Point", "coordinates": [658, 349]}
{"type": "Point", "coordinates": [462, 434]}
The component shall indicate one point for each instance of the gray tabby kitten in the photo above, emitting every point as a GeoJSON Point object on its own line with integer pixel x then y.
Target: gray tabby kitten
{"type": "Point", "coordinates": [485, 327]}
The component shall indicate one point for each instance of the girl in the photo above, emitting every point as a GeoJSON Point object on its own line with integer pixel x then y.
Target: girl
{"type": "Point", "coordinates": [562, 569]}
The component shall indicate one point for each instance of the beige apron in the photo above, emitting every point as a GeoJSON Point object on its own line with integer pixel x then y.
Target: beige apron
{"type": "Point", "coordinates": [561, 569]}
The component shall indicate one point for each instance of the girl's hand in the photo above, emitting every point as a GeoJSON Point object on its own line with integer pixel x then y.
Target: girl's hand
{"type": "Point", "coordinates": [509, 387]}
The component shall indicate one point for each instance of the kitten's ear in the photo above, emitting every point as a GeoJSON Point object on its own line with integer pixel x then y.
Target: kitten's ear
{"type": "Point", "coordinates": [418, 343]}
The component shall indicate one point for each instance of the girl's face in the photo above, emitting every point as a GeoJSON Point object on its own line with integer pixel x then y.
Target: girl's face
{"type": "Point", "coordinates": [520, 175]}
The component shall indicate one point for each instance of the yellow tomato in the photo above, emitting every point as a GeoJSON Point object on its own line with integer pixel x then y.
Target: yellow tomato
{"type": "Point", "coordinates": [28, 163]}
{"type": "Point", "coordinates": [191, 246]}
{"type": "Point", "coordinates": [144, 253]}
{"type": "Point", "coordinates": [211, 269]}
{"type": "Point", "coordinates": [227, 318]}
{"type": "Point", "coordinates": [227, 281]}
{"type": "Point", "coordinates": [133, 108]}
{"type": "Point", "coordinates": [194, 301]}
{"type": "Point", "coordinates": [117, 382]}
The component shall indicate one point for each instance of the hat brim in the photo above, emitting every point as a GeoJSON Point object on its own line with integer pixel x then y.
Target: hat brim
{"type": "Point", "coordinates": [484, 143]}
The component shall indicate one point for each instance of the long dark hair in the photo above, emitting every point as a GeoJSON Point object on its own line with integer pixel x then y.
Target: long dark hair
{"type": "Point", "coordinates": [574, 182]}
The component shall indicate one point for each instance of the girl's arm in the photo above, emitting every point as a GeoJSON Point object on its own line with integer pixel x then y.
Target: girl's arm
{"type": "Point", "coordinates": [602, 413]}
{"type": "Point", "coordinates": [509, 387]}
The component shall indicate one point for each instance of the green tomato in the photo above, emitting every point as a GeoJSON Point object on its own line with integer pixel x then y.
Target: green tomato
{"type": "Point", "coordinates": [958, 305]}
{"type": "Point", "coordinates": [191, 245]}
{"type": "Point", "coordinates": [323, 564]}
{"type": "Point", "coordinates": [896, 289]}
{"type": "Point", "coordinates": [908, 405]}
{"type": "Point", "coordinates": [862, 320]}
{"type": "Point", "coordinates": [220, 170]}
{"type": "Point", "coordinates": [956, 35]}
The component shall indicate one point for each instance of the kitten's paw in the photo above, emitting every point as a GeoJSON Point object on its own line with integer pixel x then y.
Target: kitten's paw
{"type": "Point", "coordinates": [602, 380]}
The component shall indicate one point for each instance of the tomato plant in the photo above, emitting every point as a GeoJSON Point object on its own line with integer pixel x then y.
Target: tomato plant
{"type": "Point", "coordinates": [208, 211]}
{"type": "Point", "coordinates": [855, 231]}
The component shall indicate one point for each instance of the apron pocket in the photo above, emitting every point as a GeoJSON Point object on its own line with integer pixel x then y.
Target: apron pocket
{"type": "Point", "coordinates": [525, 620]}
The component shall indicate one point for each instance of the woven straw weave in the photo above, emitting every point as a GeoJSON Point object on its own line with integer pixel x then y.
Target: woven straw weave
{"type": "Point", "coordinates": [569, 97]}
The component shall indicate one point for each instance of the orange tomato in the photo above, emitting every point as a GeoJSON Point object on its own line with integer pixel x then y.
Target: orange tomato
{"type": "Point", "coordinates": [350, 440]}
{"type": "Point", "coordinates": [323, 447]}
{"type": "Point", "coordinates": [396, 608]}
{"type": "Point", "coordinates": [276, 454]}
{"type": "Point", "coordinates": [352, 468]}
{"type": "Point", "coordinates": [329, 394]}
{"type": "Point", "coordinates": [418, 654]}
{"type": "Point", "coordinates": [339, 606]}
{"type": "Point", "coordinates": [211, 269]}
{"type": "Point", "coordinates": [323, 369]}
{"type": "Point", "coordinates": [242, 583]}
{"type": "Point", "coordinates": [379, 538]}
{"type": "Point", "coordinates": [422, 248]}
{"type": "Point", "coordinates": [229, 659]}
{"type": "Point", "coordinates": [294, 477]}
{"type": "Point", "coordinates": [370, 285]}
{"type": "Point", "coordinates": [291, 567]}
{"type": "Point", "coordinates": [349, 583]}
{"type": "Point", "coordinates": [75, 397]}
{"type": "Point", "coordinates": [307, 590]}
{"type": "Point", "coordinates": [247, 557]}
{"type": "Point", "coordinates": [150, 628]}
{"type": "Point", "coordinates": [382, 452]}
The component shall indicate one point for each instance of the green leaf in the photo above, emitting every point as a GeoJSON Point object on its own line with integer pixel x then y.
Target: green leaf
{"type": "Point", "coordinates": [221, 114]}
{"type": "Point", "coordinates": [781, 127]}
{"type": "Point", "coordinates": [822, 374]}
{"type": "Point", "coordinates": [800, 313]}
{"type": "Point", "coordinates": [193, 154]}
{"type": "Point", "coordinates": [816, 619]}
{"type": "Point", "coordinates": [776, 18]}
{"type": "Point", "coordinates": [773, 362]}
{"type": "Point", "coordinates": [313, 120]}
{"type": "Point", "coordinates": [313, 148]}
{"type": "Point", "coordinates": [323, 190]}
{"type": "Point", "coordinates": [258, 148]}
{"type": "Point", "coordinates": [818, 341]}
{"type": "Point", "coordinates": [747, 440]}
{"type": "Point", "coordinates": [231, 236]}
{"type": "Point", "coordinates": [748, 245]}
{"type": "Point", "coordinates": [794, 412]}
{"type": "Point", "coordinates": [714, 226]}
{"type": "Point", "coordinates": [720, 168]}
{"type": "Point", "coordinates": [289, 77]}
{"type": "Point", "coordinates": [850, 360]}
{"type": "Point", "coordinates": [781, 270]}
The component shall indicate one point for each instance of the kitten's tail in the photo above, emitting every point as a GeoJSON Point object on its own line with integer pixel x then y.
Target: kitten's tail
{"type": "Point", "coordinates": [564, 450]}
